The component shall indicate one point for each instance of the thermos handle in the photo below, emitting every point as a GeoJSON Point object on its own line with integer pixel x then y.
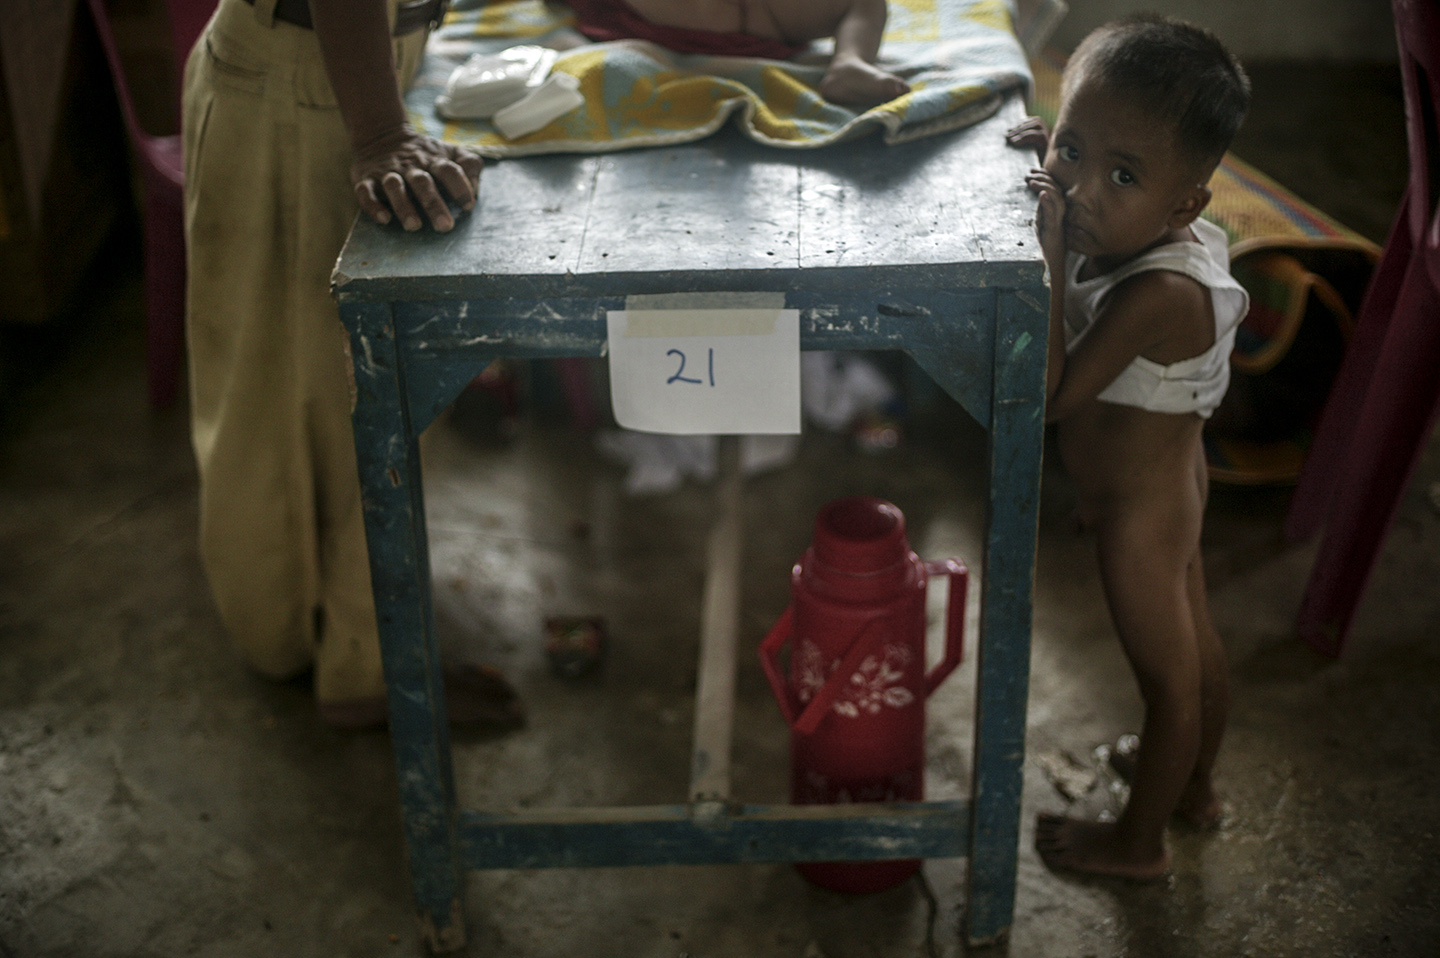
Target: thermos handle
{"type": "Point", "coordinates": [809, 719]}
{"type": "Point", "coordinates": [954, 619]}
{"type": "Point", "coordinates": [770, 646]}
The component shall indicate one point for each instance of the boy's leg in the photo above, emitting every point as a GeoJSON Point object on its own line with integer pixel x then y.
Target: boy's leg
{"type": "Point", "coordinates": [1143, 566]}
{"type": "Point", "coordinates": [1199, 805]}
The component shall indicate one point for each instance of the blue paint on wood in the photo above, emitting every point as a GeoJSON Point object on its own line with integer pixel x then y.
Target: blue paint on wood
{"type": "Point", "coordinates": [1003, 660]}
{"type": "Point", "coordinates": [675, 835]}
{"type": "Point", "coordinates": [949, 332]}
{"type": "Point", "coordinates": [926, 248]}
{"type": "Point", "coordinates": [723, 214]}
{"type": "Point", "coordinates": [394, 512]}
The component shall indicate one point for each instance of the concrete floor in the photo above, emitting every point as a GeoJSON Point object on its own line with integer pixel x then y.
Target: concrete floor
{"type": "Point", "coordinates": [157, 799]}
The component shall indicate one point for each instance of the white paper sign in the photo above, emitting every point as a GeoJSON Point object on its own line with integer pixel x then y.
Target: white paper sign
{"type": "Point", "coordinates": [705, 371]}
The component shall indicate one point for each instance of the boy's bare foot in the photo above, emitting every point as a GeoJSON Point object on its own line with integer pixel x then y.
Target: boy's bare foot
{"type": "Point", "coordinates": [1123, 757]}
{"type": "Point", "coordinates": [857, 83]}
{"type": "Point", "coordinates": [1092, 848]}
{"type": "Point", "coordinates": [1203, 813]}
{"type": "Point", "coordinates": [1199, 809]}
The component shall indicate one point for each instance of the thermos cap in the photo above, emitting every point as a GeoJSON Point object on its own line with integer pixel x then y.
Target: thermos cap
{"type": "Point", "coordinates": [860, 535]}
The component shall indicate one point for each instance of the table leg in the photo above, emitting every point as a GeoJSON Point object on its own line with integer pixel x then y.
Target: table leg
{"type": "Point", "coordinates": [389, 466]}
{"type": "Point", "coordinates": [1017, 429]}
{"type": "Point", "coordinates": [719, 633]}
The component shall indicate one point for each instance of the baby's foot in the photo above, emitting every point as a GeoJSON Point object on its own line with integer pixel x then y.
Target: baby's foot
{"type": "Point", "coordinates": [857, 83]}
{"type": "Point", "coordinates": [1093, 848]}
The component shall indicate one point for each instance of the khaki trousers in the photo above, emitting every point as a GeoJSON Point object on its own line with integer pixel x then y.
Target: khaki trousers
{"type": "Point", "coordinates": [268, 203]}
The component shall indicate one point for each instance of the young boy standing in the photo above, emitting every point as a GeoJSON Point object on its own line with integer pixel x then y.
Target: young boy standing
{"type": "Point", "coordinates": [1142, 321]}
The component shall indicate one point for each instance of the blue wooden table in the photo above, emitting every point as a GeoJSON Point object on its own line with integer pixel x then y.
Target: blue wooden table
{"type": "Point", "coordinates": [925, 247]}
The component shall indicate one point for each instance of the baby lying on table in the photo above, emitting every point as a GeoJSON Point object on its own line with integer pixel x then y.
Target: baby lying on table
{"type": "Point", "coordinates": [775, 29]}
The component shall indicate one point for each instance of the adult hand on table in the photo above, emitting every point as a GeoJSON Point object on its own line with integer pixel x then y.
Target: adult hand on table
{"type": "Point", "coordinates": [394, 168]}
{"type": "Point", "coordinates": [398, 170]}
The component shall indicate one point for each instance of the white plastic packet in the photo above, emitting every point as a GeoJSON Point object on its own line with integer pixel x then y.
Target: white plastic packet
{"type": "Point", "coordinates": [558, 95]}
{"type": "Point", "coordinates": [488, 82]}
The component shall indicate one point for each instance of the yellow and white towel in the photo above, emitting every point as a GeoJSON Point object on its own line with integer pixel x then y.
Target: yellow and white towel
{"type": "Point", "coordinates": [960, 57]}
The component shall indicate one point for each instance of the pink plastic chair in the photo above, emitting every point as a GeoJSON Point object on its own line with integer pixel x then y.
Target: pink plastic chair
{"type": "Point", "coordinates": [163, 216]}
{"type": "Point", "coordinates": [1384, 402]}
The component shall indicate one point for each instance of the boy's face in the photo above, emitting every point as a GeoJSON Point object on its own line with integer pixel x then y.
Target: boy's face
{"type": "Point", "coordinates": [1127, 185]}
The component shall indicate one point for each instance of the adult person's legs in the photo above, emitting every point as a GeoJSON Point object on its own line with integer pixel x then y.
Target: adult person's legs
{"type": "Point", "coordinates": [268, 206]}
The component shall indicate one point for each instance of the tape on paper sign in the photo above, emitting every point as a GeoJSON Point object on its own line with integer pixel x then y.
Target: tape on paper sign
{"type": "Point", "coordinates": [705, 371]}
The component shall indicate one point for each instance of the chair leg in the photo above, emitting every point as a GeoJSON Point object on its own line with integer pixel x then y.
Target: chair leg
{"type": "Point", "coordinates": [164, 296]}
{"type": "Point", "coordinates": [1330, 450]}
{"type": "Point", "coordinates": [1392, 425]}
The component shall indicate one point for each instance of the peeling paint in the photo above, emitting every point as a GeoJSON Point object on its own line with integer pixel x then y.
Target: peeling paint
{"type": "Point", "coordinates": [1029, 300]}
{"type": "Point", "coordinates": [1022, 343]}
{"type": "Point", "coordinates": [904, 310]}
{"type": "Point", "coordinates": [544, 310]}
{"type": "Point", "coordinates": [469, 341]}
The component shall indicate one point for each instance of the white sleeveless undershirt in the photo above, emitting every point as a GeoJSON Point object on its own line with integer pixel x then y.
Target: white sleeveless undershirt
{"type": "Point", "coordinates": [1191, 385]}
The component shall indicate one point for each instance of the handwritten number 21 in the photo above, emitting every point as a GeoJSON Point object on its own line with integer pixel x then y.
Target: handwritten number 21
{"type": "Point", "coordinates": [680, 371]}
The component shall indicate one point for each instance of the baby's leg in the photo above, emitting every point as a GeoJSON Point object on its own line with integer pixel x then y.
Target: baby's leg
{"type": "Point", "coordinates": [853, 78]}
{"type": "Point", "coordinates": [1144, 551]}
{"type": "Point", "coordinates": [853, 82]}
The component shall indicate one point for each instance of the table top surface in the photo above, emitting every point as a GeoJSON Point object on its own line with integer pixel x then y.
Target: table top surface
{"type": "Point", "coordinates": [722, 214]}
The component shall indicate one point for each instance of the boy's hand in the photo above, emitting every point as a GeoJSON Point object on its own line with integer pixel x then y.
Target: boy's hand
{"type": "Point", "coordinates": [1049, 219]}
{"type": "Point", "coordinates": [1050, 230]}
{"type": "Point", "coordinates": [395, 172]}
{"type": "Point", "coordinates": [1032, 134]}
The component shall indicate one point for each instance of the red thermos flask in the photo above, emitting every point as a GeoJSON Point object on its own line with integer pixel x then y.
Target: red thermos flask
{"type": "Point", "coordinates": [855, 694]}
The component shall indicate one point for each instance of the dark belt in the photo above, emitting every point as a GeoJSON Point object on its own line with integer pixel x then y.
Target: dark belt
{"type": "Point", "coordinates": [412, 15]}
